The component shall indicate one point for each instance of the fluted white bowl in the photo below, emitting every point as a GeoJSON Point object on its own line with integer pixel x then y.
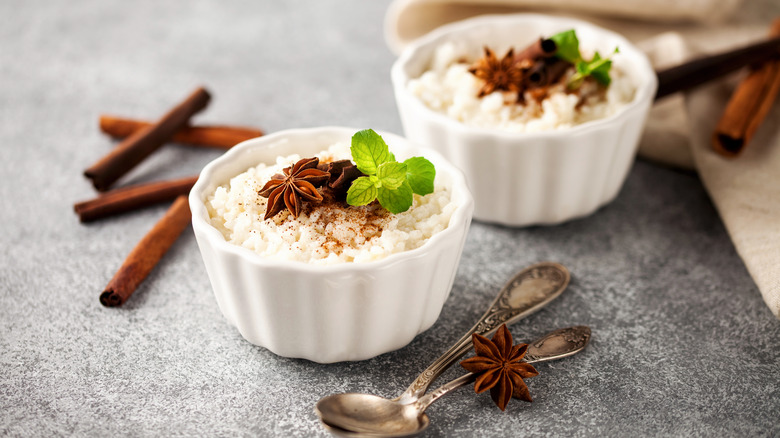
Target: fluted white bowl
{"type": "Point", "coordinates": [343, 312]}
{"type": "Point", "coordinates": [521, 179]}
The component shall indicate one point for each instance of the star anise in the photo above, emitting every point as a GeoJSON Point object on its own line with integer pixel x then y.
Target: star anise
{"type": "Point", "coordinates": [300, 181]}
{"type": "Point", "coordinates": [497, 75]}
{"type": "Point", "coordinates": [499, 367]}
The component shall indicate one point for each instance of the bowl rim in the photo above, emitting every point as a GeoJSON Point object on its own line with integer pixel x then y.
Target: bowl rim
{"type": "Point", "coordinates": [460, 219]}
{"type": "Point", "coordinates": [643, 95]}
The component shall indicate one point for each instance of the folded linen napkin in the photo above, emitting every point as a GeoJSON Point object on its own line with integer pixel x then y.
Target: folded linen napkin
{"type": "Point", "coordinates": [409, 19]}
{"type": "Point", "coordinates": [745, 190]}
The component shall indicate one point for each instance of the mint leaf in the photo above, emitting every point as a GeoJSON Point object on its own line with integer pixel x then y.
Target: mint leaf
{"type": "Point", "coordinates": [568, 46]}
{"type": "Point", "coordinates": [583, 68]}
{"type": "Point", "coordinates": [569, 50]}
{"type": "Point", "coordinates": [392, 183]}
{"type": "Point", "coordinates": [598, 68]}
{"type": "Point", "coordinates": [369, 151]}
{"type": "Point", "coordinates": [398, 200]}
{"type": "Point", "coordinates": [420, 173]}
{"type": "Point", "coordinates": [601, 74]}
{"type": "Point", "coordinates": [392, 174]}
{"type": "Point", "coordinates": [361, 192]}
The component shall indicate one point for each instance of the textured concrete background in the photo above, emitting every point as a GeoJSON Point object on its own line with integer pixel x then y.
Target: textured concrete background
{"type": "Point", "coordinates": [683, 344]}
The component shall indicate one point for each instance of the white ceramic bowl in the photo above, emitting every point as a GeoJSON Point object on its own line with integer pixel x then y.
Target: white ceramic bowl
{"type": "Point", "coordinates": [520, 179]}
{"type": "Point", "coordinates": [349, 311]}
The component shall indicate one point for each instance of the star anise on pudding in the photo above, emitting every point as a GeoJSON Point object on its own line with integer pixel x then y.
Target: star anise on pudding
{"type": "Point", "coordinates": [497, 74]}
{"type": "Point", "coordinates": [299, 181]}
{"type": "Point", "coordinates": [499, 367]}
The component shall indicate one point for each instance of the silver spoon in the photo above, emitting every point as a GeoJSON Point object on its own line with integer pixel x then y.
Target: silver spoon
{"type": "Point", "coordinates": [390, 418]}
{"type": "Point", "coordinates": [528, 291]}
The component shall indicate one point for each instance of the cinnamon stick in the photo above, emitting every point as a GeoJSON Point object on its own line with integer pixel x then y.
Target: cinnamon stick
{"type": "Point", "coordinates": [219, 136]}
{"type": "Point", "coordinates": [147, 253]}
{"type": "Point", "coordinates": [145, 141]}
{"type": "Point", "coordinates": [541, 48]}
{"type": "Point", "coordinates": [132, 198]}
{"type": "Point", "coordinates": [748, 106]}
{"type": "Point", "coordinates": [701, 70]}
{"type": "Point", "coordinates": [545, 72]}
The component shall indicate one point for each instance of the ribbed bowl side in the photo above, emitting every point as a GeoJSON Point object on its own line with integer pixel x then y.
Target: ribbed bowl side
{"type": "Point", "coordinates": [217, 277]}
{"type": "Point", "coordinates": [628, 143]}
{"type": "Point", "coordinates": [348, 311]}
{"type": "Point", "coordinates": [333, 316]}
{"type": "Point", "coordinates": [530, 180]}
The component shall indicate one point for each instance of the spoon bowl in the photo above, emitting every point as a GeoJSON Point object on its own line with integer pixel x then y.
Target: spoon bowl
{"type": "Point", "coordinates": [335, 430]}
{"type": "Point", "coordinates": [356, 411]}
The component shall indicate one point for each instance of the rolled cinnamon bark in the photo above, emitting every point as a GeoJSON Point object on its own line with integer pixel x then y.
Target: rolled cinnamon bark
{"type": "Point", "coordinates": [749, 105]}
{"type": "Point", "coordinates": [545, 72]}
{"type": "Point", "coordinates": [132, 198]}
{"type": "Point", "coordinates": [219, 136]}
{"type": "Point", "coordinates": [541, 48]}
{"type": "Point", "coordinates": [147, 253]}
{"type": "Point", "coordinates": [142, 143]}
{"type": "Point", "coordinates": [702, 70]}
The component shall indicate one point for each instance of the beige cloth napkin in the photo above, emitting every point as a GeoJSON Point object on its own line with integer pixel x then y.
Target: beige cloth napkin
{"type": "Point", "coordinates": [409, 19]}
{"type": "Point", "coordinates": [745, 190]}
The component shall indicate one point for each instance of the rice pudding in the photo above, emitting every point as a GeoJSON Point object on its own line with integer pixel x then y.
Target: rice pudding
{"type": "Point", "coordinates": [324, 233]}
{"type": "Point", "coordinates": [449, 88]}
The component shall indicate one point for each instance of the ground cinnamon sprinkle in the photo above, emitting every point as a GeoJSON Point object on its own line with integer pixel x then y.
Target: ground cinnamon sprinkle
{"type": "Point", "coordinates": [365, 222]}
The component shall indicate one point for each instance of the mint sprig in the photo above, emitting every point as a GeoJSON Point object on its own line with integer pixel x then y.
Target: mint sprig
{"type": "Point", "coordinates": [387, 180]}
{"type": "Point", "coordinates": [369, 151]}
{"type": "Point", "coordinates": [569, 50]}
{"type": "Point", "coordinates": [568, 46]}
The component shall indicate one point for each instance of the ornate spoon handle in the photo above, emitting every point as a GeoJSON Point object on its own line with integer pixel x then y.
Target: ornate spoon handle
{"type": "Point", "coordinates": [554, 345]}
{"type": "Point", "coordinates": [528, 291]}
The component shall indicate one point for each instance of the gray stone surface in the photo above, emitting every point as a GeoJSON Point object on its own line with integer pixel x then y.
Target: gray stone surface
{"type": "Point", "coordinates": [683, 344]}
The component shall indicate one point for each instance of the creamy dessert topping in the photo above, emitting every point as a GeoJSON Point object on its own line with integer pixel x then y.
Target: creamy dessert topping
{"type": "Point", "coordinates": [549, 85]}
{"type": "Point", "coordinates": [325, 231]}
